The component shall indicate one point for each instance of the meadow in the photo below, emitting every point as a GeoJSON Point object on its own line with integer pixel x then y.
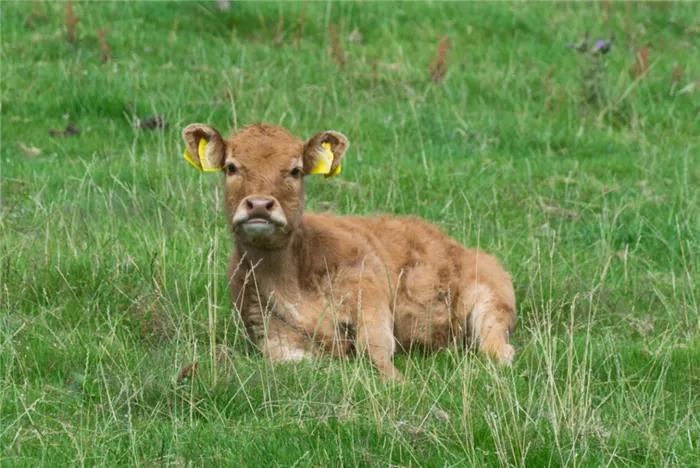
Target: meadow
{"type": "Point", "coordinates": [470, 115]}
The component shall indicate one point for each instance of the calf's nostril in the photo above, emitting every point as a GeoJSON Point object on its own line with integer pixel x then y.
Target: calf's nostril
{"type": "Point", "coordinates": [270, 205]}
{"type": "Point", "coordinates": [249, 205]}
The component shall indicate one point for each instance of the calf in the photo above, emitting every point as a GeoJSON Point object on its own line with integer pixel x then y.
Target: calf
{"type": "Point", "coordinates": [306, 283]}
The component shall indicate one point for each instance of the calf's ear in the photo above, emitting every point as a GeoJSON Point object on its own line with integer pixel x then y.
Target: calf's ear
{"type": "Point", "coordinates": [323, 153]}
{"type": "Point", "coordinates": [205, 148]}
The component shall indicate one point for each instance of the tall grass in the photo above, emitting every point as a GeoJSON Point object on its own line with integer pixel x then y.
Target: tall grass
{"type": "Point", "coordinates": [114, 252]}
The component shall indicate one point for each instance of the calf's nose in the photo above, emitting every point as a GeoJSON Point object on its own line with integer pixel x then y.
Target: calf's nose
{"type": "Point", "coordinates": [259, 207]}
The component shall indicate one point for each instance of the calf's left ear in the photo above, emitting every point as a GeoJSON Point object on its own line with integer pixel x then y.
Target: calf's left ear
{"type": "Point", "coordinates": [323, 153]}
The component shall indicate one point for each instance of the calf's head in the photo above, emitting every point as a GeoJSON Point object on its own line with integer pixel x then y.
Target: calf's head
{"type": "Point", "coordinates": [264, 168]}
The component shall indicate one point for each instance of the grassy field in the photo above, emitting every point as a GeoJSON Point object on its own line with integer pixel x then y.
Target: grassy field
{"type": "Point", "coordinates": [114, 249]}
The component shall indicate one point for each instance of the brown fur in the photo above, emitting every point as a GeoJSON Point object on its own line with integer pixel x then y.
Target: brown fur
{"type": "Point", "coordinates": [342, 284]}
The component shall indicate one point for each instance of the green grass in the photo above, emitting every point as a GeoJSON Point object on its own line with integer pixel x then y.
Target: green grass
{"type": "Point", "coordinates": [114, 249]}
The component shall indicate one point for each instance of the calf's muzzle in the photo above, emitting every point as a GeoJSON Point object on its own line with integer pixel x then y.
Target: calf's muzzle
{"type": "Point", "coordinates": [258, 216]}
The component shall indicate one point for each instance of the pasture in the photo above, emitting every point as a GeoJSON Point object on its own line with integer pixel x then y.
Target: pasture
{"type": "Point", "coordinates": [470, 115]}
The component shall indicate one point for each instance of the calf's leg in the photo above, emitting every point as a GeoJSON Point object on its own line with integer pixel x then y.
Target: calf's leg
{"type": "Point", "coordinates": [281, 343]}
{"type": "Point", "coordinates": [490, 327]}
{"type": "Point", "coordinates": [486, 309]}
{"type": "Point", "coordinates": [374, 337]}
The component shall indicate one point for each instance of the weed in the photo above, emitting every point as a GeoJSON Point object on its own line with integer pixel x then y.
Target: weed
{"type": "Point", "coordinates": [593, 68]}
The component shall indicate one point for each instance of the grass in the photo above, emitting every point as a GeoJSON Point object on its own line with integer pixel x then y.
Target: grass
{"type": "Point", "coordinates": [114, 250]}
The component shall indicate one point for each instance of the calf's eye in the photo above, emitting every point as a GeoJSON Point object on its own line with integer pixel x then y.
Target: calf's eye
{"type": "Point", "coordinates": [231, 169]}
{"type": "Point", "coordinates": [296, 172]}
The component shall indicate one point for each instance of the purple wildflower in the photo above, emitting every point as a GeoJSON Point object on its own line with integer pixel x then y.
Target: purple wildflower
{"type": "Point", "coordinates": [570, 45]}
{"type": "Point", "coordinates": [599, 44]}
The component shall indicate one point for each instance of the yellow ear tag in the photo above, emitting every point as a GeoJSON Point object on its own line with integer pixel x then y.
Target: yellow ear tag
{"type": "Point", "coordinates": [189, 159]}
{"type": "Point", "coordinates": [202, 158]}
{"type": "Point", "coordinates": [334, 173]}
{"type": "Point", "coordinates": [325, 161]}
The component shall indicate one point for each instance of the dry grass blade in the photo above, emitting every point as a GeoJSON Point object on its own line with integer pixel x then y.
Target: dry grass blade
{"type": "Point", "coordinates": [70, 21]}
{"type": "Point", "coordinates": [676, 74]}
{"type": "Point", "coordinates": [104, 47]}
{"type": "Point", "coordinates": [548, 76]}
{"type": "Point", "coordinates": [607, 6]}
{"type": "Point", "coordinates": [36, 16]}
{"type": "Point", "coordinates": [172, 36]}
{"type": "Point", "coordinates": [641, 64]}
{"type": "Point", "coordinates": [629, 27]}
{"type": "Point", "coordinates": [374, 73]}
{"type": "Point", "coordinates": [337, 51]}
{"type": "Point", "coordinates": [300, 25]}
{"type": "Point", "coordinates": [438, 67]}
{"type": "Point", "coordinates": [558, 211]}
{"type": "Point", "coordinates": [278, 37]}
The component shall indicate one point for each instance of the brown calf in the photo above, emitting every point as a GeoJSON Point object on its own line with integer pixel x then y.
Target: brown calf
{"type": "Point", "coordinates": [305, 283]}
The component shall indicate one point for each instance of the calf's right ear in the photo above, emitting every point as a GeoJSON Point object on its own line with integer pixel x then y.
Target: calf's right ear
{"type": "Point", "coordinates": [205, 148]}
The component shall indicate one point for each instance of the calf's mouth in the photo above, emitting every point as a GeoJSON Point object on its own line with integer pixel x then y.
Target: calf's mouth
{"type": "Point", "coordinates": [258, 227]}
